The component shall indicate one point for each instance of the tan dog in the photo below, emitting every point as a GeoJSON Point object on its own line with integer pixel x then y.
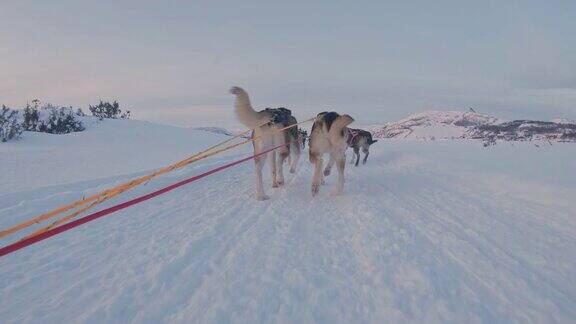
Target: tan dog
{"type": "Point", "coordinates": [264, 123]}
{"type": "Point", "coordinates": [329, 135]}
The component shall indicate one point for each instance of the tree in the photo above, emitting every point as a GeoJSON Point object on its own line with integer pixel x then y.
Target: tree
{"type": "Point", "coordinates": [106, 109]}
{"type": "Point", "coordinates": [10, 127]}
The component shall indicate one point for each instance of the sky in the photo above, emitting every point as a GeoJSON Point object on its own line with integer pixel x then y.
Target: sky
{"type": "Point", "coordinates": [173, 61]}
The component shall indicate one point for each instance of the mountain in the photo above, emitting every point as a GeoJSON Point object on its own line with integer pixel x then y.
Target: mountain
{"type": "Point", "coordinates": [433, 125]}
{"type": "Point", "coordinates": [524, 130]}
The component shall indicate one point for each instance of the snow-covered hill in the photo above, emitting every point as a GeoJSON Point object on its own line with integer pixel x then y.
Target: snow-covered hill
{"type": "Point", "coordinates": [433, 125]}
{"type": "Point", "coordinates": [443, 232]}
{"type": "Point", "coordinates": [215, 130]}
{"type": "Point", "coordinates": [107, 148]}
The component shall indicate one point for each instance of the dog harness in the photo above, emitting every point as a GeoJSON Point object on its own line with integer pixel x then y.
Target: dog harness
{"type": "Point", "coordinates": [352, 135]}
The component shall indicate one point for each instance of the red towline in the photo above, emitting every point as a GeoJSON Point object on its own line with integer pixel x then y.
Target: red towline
{"type": "Point", "coordinates": [88, 218]}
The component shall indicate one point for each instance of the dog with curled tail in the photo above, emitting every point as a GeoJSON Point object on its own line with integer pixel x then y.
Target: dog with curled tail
{"type": "Point", "coordinates": [329, 134]}
{"type": "Point", "coordinates": [266, 124]}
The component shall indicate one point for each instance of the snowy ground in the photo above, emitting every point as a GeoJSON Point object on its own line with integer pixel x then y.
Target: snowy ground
{"type": "Point", "coordinates": [446, 232]}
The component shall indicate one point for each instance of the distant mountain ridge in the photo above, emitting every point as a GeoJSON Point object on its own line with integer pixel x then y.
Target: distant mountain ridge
{"type": "Point", "coordinates": [432, 125]}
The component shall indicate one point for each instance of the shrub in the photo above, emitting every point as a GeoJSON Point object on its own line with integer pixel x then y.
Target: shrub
{"type": "Point", "coordinates": [108, 110]}
{"type": "Point", "coordinates": [31, 116]}
{"type": "Point", "coordinates": [10, 127]}
{"type": "Point", "coordinates": [48, 118]}
{"type": "Point", "coordinates": [51, 119]}
{"type": "Point", "coordinates": [60, 120]}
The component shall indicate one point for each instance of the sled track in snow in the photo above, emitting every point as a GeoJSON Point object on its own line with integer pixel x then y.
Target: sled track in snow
{"type": "Point", "coordinates": [404, 243]}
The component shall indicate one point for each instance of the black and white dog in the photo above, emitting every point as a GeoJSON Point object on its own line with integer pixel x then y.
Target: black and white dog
{"type": "Point", "coordinates": [329, 135]}
{"type": "Point", "coordinates": [303, 136]}
{"type": "Point", "coordinates": [360, 139]}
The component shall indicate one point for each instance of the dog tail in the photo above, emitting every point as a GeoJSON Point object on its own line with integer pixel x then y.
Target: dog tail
{"type": "Point", "coordinates": [371, 141]}
{"type": "Point", "coordinates": [339, 124]}
{"type": "Point", "coordinates": [243, 109]}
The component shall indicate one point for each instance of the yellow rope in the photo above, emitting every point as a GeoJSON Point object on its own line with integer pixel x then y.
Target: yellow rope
{"type": "Point", "coordinates": [126, 185]}
{"type": "Point", "coordinates": [113, 192]}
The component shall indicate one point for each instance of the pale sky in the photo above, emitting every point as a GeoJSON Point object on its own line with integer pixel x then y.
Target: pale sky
{"type": "Point", "coordinates": [173, 61]}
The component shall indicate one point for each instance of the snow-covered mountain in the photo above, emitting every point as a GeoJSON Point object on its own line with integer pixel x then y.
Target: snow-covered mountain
{"type": "Point", "coordinates": [524, 130]}
{"type": "Point", "coordinates": [564, 121]}
{"type": "Point", "coordinates": [433, 125]}
{"type": "Point", "coordinates": [438, 232]}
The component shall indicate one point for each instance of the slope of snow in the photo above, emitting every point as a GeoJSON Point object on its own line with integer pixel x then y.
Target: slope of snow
{"type": "Point", "coordinates": [107, 148]}
{"type": "Point", "coordinates": [448, 232]}
{"type": "Point", "coordinates": [215, 130]}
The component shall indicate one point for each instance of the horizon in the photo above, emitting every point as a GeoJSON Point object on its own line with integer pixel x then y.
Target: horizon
{"type": "Point", "coordinates": [173, 62]}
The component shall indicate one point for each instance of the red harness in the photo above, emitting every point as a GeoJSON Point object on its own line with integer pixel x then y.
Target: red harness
{"type": "Point", "coordinates": [352, 135]}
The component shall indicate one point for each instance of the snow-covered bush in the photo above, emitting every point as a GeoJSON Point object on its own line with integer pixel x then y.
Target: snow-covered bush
{"type": "Point", "coordinates": [51, 119]}
{"type": "Point", "coordinates": [10, 127]}
{"type": "Point", "coordinates": [31, 116]}
{"type": "Point", "coordinates": [108, 110]}
{"type": "Point", "coordinates": [61, 120]}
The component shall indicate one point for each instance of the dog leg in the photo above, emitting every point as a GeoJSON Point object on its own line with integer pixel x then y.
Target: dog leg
{"type": "Point", "coordinates": [259, 163]}
{"type": "Point", "coordinates": [357, 152]}
{"type": "Point", "coordinates": [281, 157]}
{"type": "Point", "coordinates": [366, 152]}
{"type": "Point", "coordinates": [294, 163]}
{"type": "Point", "coordinates": [328, 168]}
{"type": "Point", "coordinates": [322, 176]}
{"type": "Point", "coordinates": [341, 164]}
{"type": "Point", "coordinates": [317, 177]}
{"type": "Point", "coordinates": [272, 159]}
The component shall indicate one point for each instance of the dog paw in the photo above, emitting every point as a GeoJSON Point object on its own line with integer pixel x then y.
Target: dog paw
{"type": "Point", "coordinates": [292, 170]}
{"type": "Point", "coordinates": [315, 189]}
{"type": "Point", "coordinates": [323, 182]}
{"type": "Point", "coordinates": [262, 197]}
{"type": "Point", "coordinates": [280, 183]}
{"type": "Point", "coordinates": [327, 172]}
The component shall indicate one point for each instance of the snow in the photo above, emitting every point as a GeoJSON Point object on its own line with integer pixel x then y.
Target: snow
{"type": "Point", "coordinates": [111, 147]}
{"type": "Point", "coordinates": [564, 121]}
{"type": "Point", "coordinates": [215, 130]}
{"type": "Point", "coordinates": [457, 125]}
{"type": "Point", "coordinates": [433, 125]}
{"type": "Point", "coordinates": [435, 232]}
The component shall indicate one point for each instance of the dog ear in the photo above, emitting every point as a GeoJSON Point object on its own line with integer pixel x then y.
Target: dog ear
{"type": "Point", "coordinates": [347, 119]}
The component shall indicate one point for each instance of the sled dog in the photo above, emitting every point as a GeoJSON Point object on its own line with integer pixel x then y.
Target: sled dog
{"type": "Point", "coordinates": [266, 124]}
{"type": "Point", "coordinates": [328, 135]}
{"type": "Point", "coordinates": [359, 139]}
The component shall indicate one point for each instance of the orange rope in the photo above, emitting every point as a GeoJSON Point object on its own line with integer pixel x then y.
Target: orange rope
{"type": "Point", "coordinates": [124, 186]}
{"type": "Point", "coordinates": [113, 192]}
